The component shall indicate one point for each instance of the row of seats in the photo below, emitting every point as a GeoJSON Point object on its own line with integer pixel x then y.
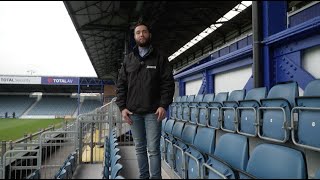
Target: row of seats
{"type": "Point", "coordinates": [17, 103]}
{"type": "Point", "coordinates": [55, 106]}
{"type": "Point", "coordinates": [191, 151]}
{"type": "Point", "coordinates": [269, 115]}
{"type": "Point", "coordinates": [112, 167]}
{"type": "Point", "coordinates": [89, 105]}
{"type": "Point", "coordinates": [68, 168]}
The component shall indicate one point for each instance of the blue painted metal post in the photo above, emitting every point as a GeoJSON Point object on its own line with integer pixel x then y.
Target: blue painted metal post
{"type": "Point", "coordinates": [209, 88]}
{"type": "Point", "coordinates": [274, 17]}
{"type": "Point", "coordinates": [181, 88]}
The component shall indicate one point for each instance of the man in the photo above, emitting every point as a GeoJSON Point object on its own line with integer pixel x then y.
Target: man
{"type": "Point", "coordinates": [145, 88]}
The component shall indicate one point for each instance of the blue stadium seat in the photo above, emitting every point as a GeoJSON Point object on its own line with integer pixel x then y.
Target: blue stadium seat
{"type": "Point", "coordinates": [73, 163]}
{"type": "Point", "coordinates": [174, 107]}
{"type": "Point", "coordinates": [275, 111]}
{"type": "Point", "coordinates": [183, 101]}
{"type": "Point", "coordinates": [307, 130]}
{"type": "Point", "coordinates": [115, 170]}
{"type": "Point", "coordinates": [176, 133]}
{"type": "Point", "coordinates": [204, 143]}
{"type": "Point", "coordinates": [115, 160]}
{"type": "Point", "coordinates": [35, 175]}
{"type": "Point", "coordinates": [214, 120]}
{"type": "Point", "coordinates": [270, 161]}
{"type": "Point", "coordinates": [247, 112]}
{"type": "Point", "coordinates": [182, 144]}
{"type": "Point", "coordinates": [203, 110]}
{"type": "Point", "coordinates": [228, 111]}
{"type": "Point", "coordinates": [106, 172]}
{"type": "Point", "coordinates": [68, 169]}
{"type": "Point", "coordinates": [232, 151]}
{"type": "Point", "coordinates": [186, 108]}
{"type": "Point", "coordinates": [163, 135]}
{"type": "Point", "coordinates": [194, 108]}
{"type": "Point", "coordinates": [167, 135]}
{"type": "Point", "coordinates": [62, 174]}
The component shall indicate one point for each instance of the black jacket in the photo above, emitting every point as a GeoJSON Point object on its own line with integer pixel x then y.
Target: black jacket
{"type": "Point", "coordinates": [144, 84]}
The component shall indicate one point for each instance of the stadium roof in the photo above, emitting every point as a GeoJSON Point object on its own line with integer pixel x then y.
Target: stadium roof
{"type": "Point", "coordinates": [105, 26]}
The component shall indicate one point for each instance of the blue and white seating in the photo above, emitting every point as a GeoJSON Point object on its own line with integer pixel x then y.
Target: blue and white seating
{"type": "Point", "coordinates": [194, 108]}
{"type": "Point", "coordinates": [214, 108]}
{"type": "Point", "coordinates": [247, 121]}
{"type": "Point", "coordinates": [203, 110]}
{"type": "Point", "coordinates": [270, 161]}
{"type": "Point", "coordinates": [231, 154]}
{"type": "Point", "coordinates": [228, 111]}
{"type": "Point", "coordinates": [306, 129]}
{"type": "Point", "coordinates": [274, 113]}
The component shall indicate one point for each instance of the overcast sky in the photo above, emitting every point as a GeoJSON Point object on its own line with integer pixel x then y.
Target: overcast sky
{"type": "Point", "coordinates": [40, 36]}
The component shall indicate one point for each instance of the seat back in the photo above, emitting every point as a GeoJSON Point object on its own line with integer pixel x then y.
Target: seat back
{"type": "Point", "coordinates": [233, 149]}
{"type": "Point", "coordinates": [186, 108]}
{"type": "Point", "coordinates": [175, 107]}
{"type": "Point", "coordinates": [256, 94]}
{"type": "Point", "coordinates": [205, 140]}
{"type": "Point", "coordinates": [189, 133]}
{"type": "Point", "coordinates": [270, 161]}
{"type": "Point", "coordinates": [195, 110]}
{"type": "Point", "coordinates": [183, 100]}
{"type": "Point", "coordinates": [177, 129]}
{"type": "Point", "coordinates": [215, 113]}
{"type": "Point", "coordinates": [229, 115]}
{"type": "Point", "coordinates": [309, 121]}
{"type": "Point", "coordinates": [313, 88]}
{"type": "Point", "coordinates": [273, 120]}
{"type": "Point", "coordinates": [287, 91]}
{"type": "Point", "coordinates": [169, 126]}
{"type": "Point", "coordinates": [236, 95]}
{"type": "Point", "coordinates": [220, 97]}
{"type": "Point", "coordinates": [204, 113]}
{"type": "Point", "coordinates": [248, 117]}
{"type": "Point", "coordinates": [115, 170]}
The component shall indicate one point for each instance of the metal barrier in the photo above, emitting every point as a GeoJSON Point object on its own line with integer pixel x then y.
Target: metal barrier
{"type": "Point", "coordinates": [93, 128]}
{"type": "Point", "coordinates": [55, 148]}
{"type": "Point", "coordinates": [17, 164]}
{"type": "Point", "coordinates": [48, 152]}
{"type": "Point", "coordinates": [1, 169]}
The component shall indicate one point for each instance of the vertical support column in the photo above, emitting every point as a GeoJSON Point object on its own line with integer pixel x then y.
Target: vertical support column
{"type": "Point", "coordinates": [78, 110]}
{"type": "Point", "coordinates": [209, 78]}
{"type": "Point", "coordinates": [256, 28]}
{"type": "Point", "coordinates": [274, 17]}
{"type": "Point", "coordinates": [182, 88]}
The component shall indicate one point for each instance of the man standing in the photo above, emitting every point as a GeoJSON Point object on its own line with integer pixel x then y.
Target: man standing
{"type": "Point", "coordinates": [145, 89]}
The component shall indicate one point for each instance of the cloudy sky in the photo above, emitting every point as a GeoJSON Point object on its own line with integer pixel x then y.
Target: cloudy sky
{"type": "Point", "coordinates": [39, 38]}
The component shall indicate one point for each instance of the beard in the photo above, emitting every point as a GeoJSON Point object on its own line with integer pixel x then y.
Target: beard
{"type": "Point", "coordinates": [144, 44]}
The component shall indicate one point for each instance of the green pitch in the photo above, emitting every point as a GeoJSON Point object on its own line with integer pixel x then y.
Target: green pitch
{"type": "Point", "coordinates": [13, 129]}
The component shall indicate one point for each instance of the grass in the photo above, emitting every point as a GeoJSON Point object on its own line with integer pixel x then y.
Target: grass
{"type": "Point", "coordinates": [13, 129]}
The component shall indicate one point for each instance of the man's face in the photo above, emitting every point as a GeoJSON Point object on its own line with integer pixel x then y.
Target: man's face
{"type": "Point", "coordinates": [142, 36]}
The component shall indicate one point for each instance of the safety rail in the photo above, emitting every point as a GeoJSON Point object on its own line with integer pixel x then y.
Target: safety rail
{"type": "Point", "coordinates": [85, 136]}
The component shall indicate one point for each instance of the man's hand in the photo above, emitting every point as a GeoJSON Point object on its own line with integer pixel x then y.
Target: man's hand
{"type": "Point", "coordinates": [125, 116]}
{"type": "Point", "coordinates": [161, 113]}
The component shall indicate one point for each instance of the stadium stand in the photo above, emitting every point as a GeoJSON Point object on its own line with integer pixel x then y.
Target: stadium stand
{"type": "Point", "coordinates": [55, 105]}
{"type": "Point", "coordinates": [89, 105]}
{"type": "Point", "coordinates": [17, 104]}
